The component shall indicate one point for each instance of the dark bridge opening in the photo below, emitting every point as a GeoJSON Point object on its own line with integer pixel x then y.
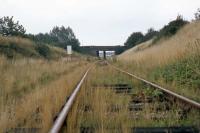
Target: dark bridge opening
{"type": "Point", "coordinates": [102, 51]}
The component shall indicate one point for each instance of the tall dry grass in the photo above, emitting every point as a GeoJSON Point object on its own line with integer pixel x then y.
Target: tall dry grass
{"type": "Point", "coordinates": [97, 102]}
{"type": "Point", "coordinates": [185, 42]}
{"type": "Point", "coordinates": [101, 110]}
{"type": "Point", "coordinates": [16, 40]}
{"type": "Point", "coordinates": [32, 91]}
{"type": "Point", "coordinates": [137, 48]}
{"type": "Point", "coordinates": [185, 45]}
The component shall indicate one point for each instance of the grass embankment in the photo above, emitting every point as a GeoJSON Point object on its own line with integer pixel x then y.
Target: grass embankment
{"type": "Point", "coordinates": [16, 47]}
{"type": "Point", "coordinates": [35, 80]}
{"type": "Point", "coordinates": [32, 91]}
{"type": "Point", "coordinates": [98, 109]}
{"type": "Point", "coordinates": [173, 62]}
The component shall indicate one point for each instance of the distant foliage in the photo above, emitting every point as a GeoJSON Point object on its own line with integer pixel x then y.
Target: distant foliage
{"type": "Point", "coordinates": [197, 14]}
{"type": "Point", "coordinates": [58, 36]}
{"type": "Point", "coordinates": [134, 39]}
{"type": "Point", "coordinates": [172, 28]}
{"type": "Point", "coordinates": [150, 34]}
{"type": "Point", "coordinates": [45, 38]}
{"type": "Point", "coordinates": [8, 27]}
{"type": "Point", "coordinates": [137, 38]}
{"type": "Point", "coordinates": [65, 36]}
{"type": "Point", "coordinates": [166, 32]}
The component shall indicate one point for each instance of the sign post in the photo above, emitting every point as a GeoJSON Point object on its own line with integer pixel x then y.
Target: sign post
{"type": "Point", "coordinates": [69, 51]}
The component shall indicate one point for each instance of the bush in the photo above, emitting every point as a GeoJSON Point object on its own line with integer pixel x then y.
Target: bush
{"type": "Point", "coordinates": [11, 50]}
{"type": "Point", "coordinates": [137, 38]}
{"type": "Point", "coordinates": [43, 50]}
{"type": "Point", "coordinates": [171, 29]}
{"type": "Point", "coordinates": [183, 73]}
{"type": "Point", "coordinates": [134, 39]}
{"type": "Point", "coordinates": [151, 33]}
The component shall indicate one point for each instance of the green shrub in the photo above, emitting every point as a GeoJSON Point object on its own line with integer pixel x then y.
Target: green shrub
{"type": "Point", "coordinates": [134, 39]}
{"type": "Point", "coordinates": [171, 29]}
{"type": "Point", "coordinates": [183, 73]}
{"type": "Point", "coordinates": [43, 50]}
{"type": "Point", "coordinates": [11, 50]}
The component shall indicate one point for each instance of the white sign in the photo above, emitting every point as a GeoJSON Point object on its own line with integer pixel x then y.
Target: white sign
{"type": "Point", "coordinates": [69, 49]}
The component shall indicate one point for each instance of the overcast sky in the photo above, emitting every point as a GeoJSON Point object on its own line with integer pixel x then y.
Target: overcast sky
{"type": "Point", "coordinates": [97, 22]}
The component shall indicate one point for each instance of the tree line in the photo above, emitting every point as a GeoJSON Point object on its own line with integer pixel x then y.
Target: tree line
{"type": "Point", "coordinates": [167, 31]}
{"type": "Point", "coordinates": [58, 36]}
{"type": "Point", "coordinates": [63, 36]}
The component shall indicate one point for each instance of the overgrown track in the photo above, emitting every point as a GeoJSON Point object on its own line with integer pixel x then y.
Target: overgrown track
{"type": "Point", "coordinates": [186, 100]}
{"type": "Point", "coordinates": [68, 105]}
{"type": "Point", "coordinates": [63, 114]}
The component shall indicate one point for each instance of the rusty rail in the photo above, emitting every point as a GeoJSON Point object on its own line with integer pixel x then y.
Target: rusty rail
{"type": "Point", "coordinates": [64, 112]}
{"type": "Point", "coordinates": [182, 98]}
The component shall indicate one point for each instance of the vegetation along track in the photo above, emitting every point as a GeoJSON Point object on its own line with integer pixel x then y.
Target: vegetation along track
{"type": "Point", "coordinates": [188, 101]}
{"type": "Point", "coordinates": [110, 101]}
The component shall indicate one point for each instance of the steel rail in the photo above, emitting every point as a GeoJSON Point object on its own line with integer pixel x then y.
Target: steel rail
{"type": "Point", "coordinates": [64, 112]}
{"type": "Point", "coordinates": [182, 98]}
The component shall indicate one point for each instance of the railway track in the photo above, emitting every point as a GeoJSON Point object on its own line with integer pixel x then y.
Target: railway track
{"type": "Point", "coordinates": [63, 114]}
{"type": "Point", "coordinates": [119, 89]}
{"type": "Point", "coordinates": [173, 94]}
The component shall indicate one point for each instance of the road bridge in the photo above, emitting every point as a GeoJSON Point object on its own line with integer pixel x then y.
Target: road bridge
{"type": "Point", "coordinates": [93, 50]}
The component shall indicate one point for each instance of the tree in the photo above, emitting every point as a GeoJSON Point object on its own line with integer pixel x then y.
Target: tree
{"type": "Point", "coordinates": [10, 28]}
{"type": "Point", "coordinates": [172, 28]}
{"type": "Point", "coordinates": [197, 14]}
{"type": "Point", "coordinates": [134, 39]}
{"type": "Point", "coordinates": [65, 36]}
{"type": "Point", "coordinates": [150, 34]}
{"type": "Point", "coordinates": [45, 38]}
{"type": "Point", "coordinates": [58, 36]}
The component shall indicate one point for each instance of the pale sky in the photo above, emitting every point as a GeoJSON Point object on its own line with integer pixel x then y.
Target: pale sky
{"type": "Point", "coordinates": [97, 22]}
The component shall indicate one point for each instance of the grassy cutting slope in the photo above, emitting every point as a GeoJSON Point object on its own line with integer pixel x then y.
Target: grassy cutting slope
{"type": "Point", "coordinates": [14, 47]}
{"type": "Point", "coordinates": [32, 88]}
{"type": "Point", "coordinates": [173, 62]}
{"type": "Point", "coordinates": [135, 49]}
